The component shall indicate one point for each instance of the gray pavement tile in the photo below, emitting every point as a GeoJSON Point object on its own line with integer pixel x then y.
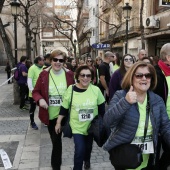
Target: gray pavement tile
{"type": "Point", "coordinates": [10, 148]}
{"type": "Point", "coordinates": [13, 127]}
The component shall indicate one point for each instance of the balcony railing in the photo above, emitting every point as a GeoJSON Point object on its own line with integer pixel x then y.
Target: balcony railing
{"type": "Point", "coordinates": [104, 36]}
{"type": "Point", "coordinates": [133, 27]}
{"type": "Point", "coordinates": [106, 7]}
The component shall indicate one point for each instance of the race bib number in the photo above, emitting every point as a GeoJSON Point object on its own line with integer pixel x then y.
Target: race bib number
{"type": "Point", "coordinates": [147, 147]}
{"type": "Point", "coordinates": [85, 114]}
{"type": "Point", "coordinates": [55, 100]}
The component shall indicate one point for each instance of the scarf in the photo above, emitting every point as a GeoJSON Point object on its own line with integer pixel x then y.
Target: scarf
{"type": "Point", "coordinates": [164, 67]}
{"type": "Point", "coordinates": [38, 66]}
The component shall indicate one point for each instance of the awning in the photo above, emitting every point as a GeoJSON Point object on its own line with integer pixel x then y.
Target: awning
{"type": "Point", "coordinates": [120, 44]}
{"type": "Point", "coordinates": [158, 34]}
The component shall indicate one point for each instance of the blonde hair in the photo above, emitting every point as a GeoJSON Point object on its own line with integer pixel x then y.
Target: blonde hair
{"type": "Point", "coordinates": [128, 78]}
{"type": "Point", "coordinates": [57, 53]}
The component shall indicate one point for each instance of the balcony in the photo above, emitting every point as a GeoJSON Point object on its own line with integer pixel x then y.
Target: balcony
{"type": "Point", "coordinates": [85, 49]}
{"type": "Point", "coordinates": [104, 36]}
{"type": "Point", "coordinates": [85, 14]}
{"type": "Point", "coordinates": [133, 28]}
{"type": "Point", "coordinates": [106, 7]}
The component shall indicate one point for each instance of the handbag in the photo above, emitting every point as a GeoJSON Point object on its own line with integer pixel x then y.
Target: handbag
{"type": "Point", "coordinates": [129, 156]}
{"type": "Point", "coordinates": [98, 130]}
{"type": "Point", "coordinates": [67, 131]}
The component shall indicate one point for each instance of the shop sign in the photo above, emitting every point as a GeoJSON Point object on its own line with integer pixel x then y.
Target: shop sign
{"type": "Point", "coordinates": [101, 46]}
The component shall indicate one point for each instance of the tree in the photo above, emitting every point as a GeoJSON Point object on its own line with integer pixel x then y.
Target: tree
{"type": "Point", "coordinates": [62, 22]}
{"type": "Point", "coordinates": [26, 18]}
{"type": "Point", "coordinates": [109, 23]}
{"type": "Point", "coordinates": [10, 57]}
{"type": "Point", "coordinates": [141, 25]}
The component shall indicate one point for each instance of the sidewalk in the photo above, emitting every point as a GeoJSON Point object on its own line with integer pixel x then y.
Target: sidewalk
{"type": "Point", "coordinates": [29, 149]}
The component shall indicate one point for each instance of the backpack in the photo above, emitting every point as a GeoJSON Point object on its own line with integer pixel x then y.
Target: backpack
{"type": "Point", "coordinates": [17, 73]}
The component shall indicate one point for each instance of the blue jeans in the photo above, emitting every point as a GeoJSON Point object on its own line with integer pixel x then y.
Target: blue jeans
{"type": "Point", "coordinates": [83, 148]}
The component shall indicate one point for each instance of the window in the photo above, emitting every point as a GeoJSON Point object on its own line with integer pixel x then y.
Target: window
{"type": "Point", "coordinates": [93, 32]}
{"type": "Point", "coordinates": [49, 4]}
{"type": "Point", "coordinates": [47, 34]}
{"type": "Point", "coordinates": [49, 24]}
{"type": "Point", "coordinates": [49, 43]}
{"type": "Point", "coordinates": [49, 13]}
{"type": "Point", "coordinates": [62, 2]}
{"type": "Point", "coordinates": [93, 11]}
{"type": "Point", "coordinates": [57, 33]}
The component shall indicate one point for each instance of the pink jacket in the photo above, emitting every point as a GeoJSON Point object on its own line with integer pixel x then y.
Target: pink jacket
{"type": "Point", "coordinates": [41, 91]}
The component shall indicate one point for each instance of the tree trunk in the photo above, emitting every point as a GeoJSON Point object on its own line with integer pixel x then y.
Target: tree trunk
{"type": "Point", "coordinates": [27, 35]}
{"type": "Point", "coordinates": [141, 25]}
{"type": "Point", "coordinates": [11, 60]}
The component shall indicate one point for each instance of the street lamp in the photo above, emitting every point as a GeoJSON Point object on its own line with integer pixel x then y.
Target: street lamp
{"type": "Point", "coordinates": [15, 10]}
{"type": "Point", "coordinates": [75, 41]}
{"type": "Point", "coordinates": [126, 14]}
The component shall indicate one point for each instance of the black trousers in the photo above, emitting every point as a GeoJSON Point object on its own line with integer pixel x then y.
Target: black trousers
{"type": "Point", "coordinates": [32, 109]}
{"type": "Point", "coordinates": [8, 76]}
{"type": "Point", "coordinates": [164, 161]}
{"type": "Point", "coordinates": [23, 92]}
{"type": "Point", "coordinates": [56, 155]}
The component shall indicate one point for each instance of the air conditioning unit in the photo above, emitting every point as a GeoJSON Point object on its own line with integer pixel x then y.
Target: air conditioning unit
{"type": "Point", "coordinates": [152, 22]}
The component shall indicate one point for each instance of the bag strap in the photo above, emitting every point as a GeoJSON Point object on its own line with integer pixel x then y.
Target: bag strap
{"type": "Point", "coordinates": [71, 98]}
{"type": "Point", "coordinates": [147, 117]}
{"type": "Point", "coordinates": [56, 87]}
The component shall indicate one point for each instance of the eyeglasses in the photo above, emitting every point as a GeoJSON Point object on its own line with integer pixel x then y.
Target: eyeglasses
{"type": "Point", "coordinates": [89, 61]}
{"type": "Point", "coordinates": [85, 75]}
{"type": "Point", "coordinates": [128, 59]}
{"type": "Point", "coordinates": [60, 60]}
{"type": "Point", "coordinates": [140, 75]}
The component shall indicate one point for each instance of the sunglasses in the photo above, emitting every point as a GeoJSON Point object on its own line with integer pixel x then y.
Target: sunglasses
{"type": "Point", "coordinates": [85, 75]}
{"type": "Point", "coordinates": [140, 75]}
{"type": "Point", "coordinates": [128, 59]}
{"type": "Point", "coordinates": [89, 60]}
{"type": "Point", "coordinates": [60, 60]}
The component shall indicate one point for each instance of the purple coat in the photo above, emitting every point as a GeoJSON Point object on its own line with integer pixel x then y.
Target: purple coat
{"type": "Point", "coordinates": [115, 83]}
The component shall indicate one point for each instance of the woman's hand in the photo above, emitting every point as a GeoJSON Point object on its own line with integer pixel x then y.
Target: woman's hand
{"type": "Point", "coordinates": [58, 128]}
{"type": "Point", "coordinates": [43, 104]}
{"type": "Point", "coordinates": [131, 96]}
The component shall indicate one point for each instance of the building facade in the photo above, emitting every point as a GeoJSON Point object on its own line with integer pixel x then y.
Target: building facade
{"type": "Point", "coordinates": [55, 29]}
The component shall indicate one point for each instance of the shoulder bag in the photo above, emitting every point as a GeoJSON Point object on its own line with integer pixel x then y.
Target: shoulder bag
{"type": "Point", "coordinates": [129, 156]}
{"type": "Point", "coordinates": [67, 131]}
{"type": "Point", "coordinates": [98, 130]}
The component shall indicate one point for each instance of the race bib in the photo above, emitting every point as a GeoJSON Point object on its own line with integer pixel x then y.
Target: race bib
{"type": "Point", "coordinates": [55, 100]}
{"type": "Point", "coordinates": [85, 114]}
{"type": "Point", "coordinates": [147, 147]}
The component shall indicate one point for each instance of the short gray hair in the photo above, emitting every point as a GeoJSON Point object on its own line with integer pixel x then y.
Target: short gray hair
{"type": "Point", "coordinates": [108, 54]}
{"type": "Point", "coordinates": [165, 50]}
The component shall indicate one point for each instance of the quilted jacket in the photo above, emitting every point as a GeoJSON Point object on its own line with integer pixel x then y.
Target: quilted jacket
{"type": "Point", "coordinates": [123, 118]}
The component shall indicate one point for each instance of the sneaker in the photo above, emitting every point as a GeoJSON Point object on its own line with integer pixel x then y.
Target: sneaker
{"type": "Point", "coordinates": [87, 165]}
{"type": "Point", "coordinates": [27, 102]}
{"type": "Point", "coordinates": [34, 126]}
{"type": "Point", "coordinates": [24, 108]}
{"type": "Point", "coordinates": [45, 125]}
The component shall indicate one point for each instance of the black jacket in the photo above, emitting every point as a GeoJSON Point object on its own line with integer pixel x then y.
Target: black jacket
{"type": "Point", "coordinates": [162, 86]}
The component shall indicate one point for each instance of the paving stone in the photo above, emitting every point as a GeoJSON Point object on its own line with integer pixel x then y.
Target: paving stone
{"type": "Point", "coordinates": [10, 148]}
{"type": "Point", "coordinates": [13, 127]}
